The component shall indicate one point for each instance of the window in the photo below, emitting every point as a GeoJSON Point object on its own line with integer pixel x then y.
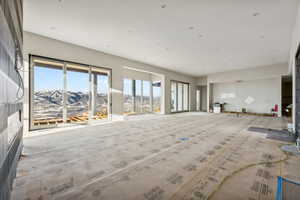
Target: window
{"type": "Point", "coordinates": [141, 96]}
{"type": "Point", "coordinates": [198, 97]}
{"type": "Point", "coordinates": [63, 92]}
{"type": "Point", "coordinates": [156, 96]}
{"type": "Point", "coordinates": [47, 101]}
{"type": "Point", "coordinates": [138, 96]}
{"type": "Point", "coordinates": [173, 96]}
{"type": "Point", "coordinates": [185, 97]}
{"type": "Point", "coordinates": [179, 96]}
{"type": "Point", "coordinates": [128, 96]}
{"type": "Point", "coordinates": [146, 104]}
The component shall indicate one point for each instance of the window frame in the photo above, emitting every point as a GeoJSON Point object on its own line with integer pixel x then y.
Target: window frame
{"type": "Point", "coordinates": [182, 96]}
{"type": "Point", "coordinates": [90, 68]}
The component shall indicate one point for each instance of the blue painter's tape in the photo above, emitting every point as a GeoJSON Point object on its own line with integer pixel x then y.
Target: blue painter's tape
{"type": "Point", "coordinates": [184, 139]}
{"type": "Point", "coordinates": [279, 188]}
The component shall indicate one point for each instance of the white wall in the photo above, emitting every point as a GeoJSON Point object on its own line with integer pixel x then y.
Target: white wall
{"type": "Point", "coordinates": [136, 75]}
{"type": "Point", "coordinates": [257, 75]}
{"type": "Point", "coordinates": [263, 72]}
{"type": "Point", "coordinates": [295, 41]}
{"type": "Point", "coordinates": [43, 46]}
{"type": "Point", "coordinates": [202, 81]}
{"type": "Point", "coordinates": [257, 96]}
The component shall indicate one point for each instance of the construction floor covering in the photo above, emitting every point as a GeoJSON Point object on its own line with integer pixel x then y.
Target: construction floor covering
{"type": "Point", "coordinates": [185, 156]}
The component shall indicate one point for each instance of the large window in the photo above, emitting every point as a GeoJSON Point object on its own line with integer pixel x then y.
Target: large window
{"type": "Point", "coordinates": [185, 97]}
{"type": "Point", "coordinates": [173, 96]}
{"type": "Point", "coordinates": [63, 92]}
{"type": "Point", "coordinates": [128, 96]}
{"type": "Point", "coordinates": [198, 102]}
{"type": "Point", "coordinates": [146, 104]}
{"type": "Point", "coordinates": [138, 96]}
{"type": "Point", "coordinates": [179, 96]}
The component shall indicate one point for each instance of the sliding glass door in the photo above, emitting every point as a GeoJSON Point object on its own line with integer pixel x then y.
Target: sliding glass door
{"type": "Point", "coordinates": [47, 98]}
{"type": "Point", "coordinates": [179, 96]}
{"type": "Point", "coordinates": [173, 96]}
{"type": "Point", "coordinates": [146, 104]}
{"type": "Point", "coordinates": [198, 102]}
{"type": "Point", "coordinates": [128, 96]}
{"type": "Point", "coordinates": [138, 96]}
{"type": "Point", "coordinates": [63, 92]}
{"type": "Point", "coordinates": [156, 92]}
{"type": "Point", "coordinates": [78, 96]}
{"type": "Point", "coordinates": [100, 94]}
{"type": "Point", "coordinates": [185, 97]}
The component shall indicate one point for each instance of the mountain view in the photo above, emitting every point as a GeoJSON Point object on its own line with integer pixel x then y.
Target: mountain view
{"type": "Point", "coordinates": [49, 104]}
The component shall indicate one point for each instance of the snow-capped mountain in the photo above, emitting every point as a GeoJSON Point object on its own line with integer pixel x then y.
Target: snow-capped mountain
{"type": "Point", "coordinates": [73, 98]}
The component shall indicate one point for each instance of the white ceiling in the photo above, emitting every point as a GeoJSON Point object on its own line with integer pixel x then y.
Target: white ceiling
{"type": "Point", "coordinates": [195, 37]}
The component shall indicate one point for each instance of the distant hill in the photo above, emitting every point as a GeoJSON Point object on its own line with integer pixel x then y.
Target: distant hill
{"type": "Point", "coordinates": [73, 98]}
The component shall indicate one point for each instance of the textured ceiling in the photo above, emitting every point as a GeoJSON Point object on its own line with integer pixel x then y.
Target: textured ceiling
{"type": "Point", "coordinates": [194, 37]}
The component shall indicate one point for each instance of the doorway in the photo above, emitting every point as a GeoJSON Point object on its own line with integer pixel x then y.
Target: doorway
{"type": "Point", "coordinates": [201, 98]}
{"type": "Point", "coordinates": [286, 95]}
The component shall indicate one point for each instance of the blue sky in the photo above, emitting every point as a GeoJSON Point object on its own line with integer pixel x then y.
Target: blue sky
{"type": "Point", "coordinates": [52, 79]}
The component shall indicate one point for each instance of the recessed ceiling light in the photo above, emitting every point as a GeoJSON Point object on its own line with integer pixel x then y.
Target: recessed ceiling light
{"type": "Point", "coordinates": [191, 27]}
{"type": "Point", "coordinates": [256, 14]}
{"type": "Point", "coordinates": [163, 6]}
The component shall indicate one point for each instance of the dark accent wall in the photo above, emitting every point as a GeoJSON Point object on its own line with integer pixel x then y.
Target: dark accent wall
{"type": "Point", "coordinates": [11, 129]}
{"type": "Point", "coordinates": [297, 95]}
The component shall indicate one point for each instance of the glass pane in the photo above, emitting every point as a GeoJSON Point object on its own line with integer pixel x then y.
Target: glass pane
{"type": "Point", "coordinates": [146, 97]}
{"type": "Point", "coordinates": [77, 95]}
{"type": "Point", "coordinates": [100, 101]}
{"type": "Point", "coordinates": [138, 96]}
{"type": "Point", "coordinates": [173, 96]}
{"type": "Point", "coordinates": [198, 100]}
{"type": "Point", "coordinates": [185, 97]}
{"type": "Point", "coordinates": [47, 95]}
{"type": "Point", "coordinates": [156, 97]}
{"type": "Point", "coordinates": [128, 96]}
{"type": "Point", "coordinates": [180, 96]}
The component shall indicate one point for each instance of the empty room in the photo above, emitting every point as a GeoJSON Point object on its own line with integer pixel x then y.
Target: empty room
{"type": "Point", "coordinates": [149, 100]}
